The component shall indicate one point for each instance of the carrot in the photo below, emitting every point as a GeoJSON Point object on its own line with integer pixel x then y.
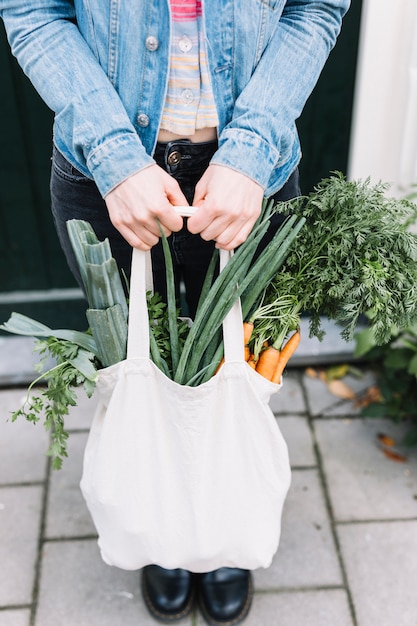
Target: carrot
{"type": "Point", "coordinates": [268, 362]}
{"type": "Point", "coordinates": [252, 361]}
{"type": "Point", "coordinates": [219, 366]}
{"type": "Point", "coordinates": [247, 332]}
{"type": "Point", "coordinates": [286, 353]}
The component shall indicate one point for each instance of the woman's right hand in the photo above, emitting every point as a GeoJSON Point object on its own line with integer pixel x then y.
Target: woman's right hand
{"type": "Point", "coordinates": [136, 203]}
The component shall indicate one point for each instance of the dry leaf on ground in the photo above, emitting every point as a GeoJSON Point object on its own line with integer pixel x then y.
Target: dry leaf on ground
{"type": "Point", "coordinates": [394, 456]}
{"type": "Point", "coordinates": [311, 372]}
{"type": "Point", "coordinates": [386, 440]}
{"type": "Point", "coordinates": [386, 445]}
{"type": "Point", "coordinates": [371, 395]}
{"type": "Point", "coordinates": [340, 389]}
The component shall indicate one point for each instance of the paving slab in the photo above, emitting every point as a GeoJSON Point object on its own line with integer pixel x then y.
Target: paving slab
{"type": "Point", "coordinates": [381, 565]}
{"type": "Point", "coordinates": [17, 360]}
{"type": "Point", "coordinates": [321, 402]}
{"type": "Point", "coordinates": [308, 608]}
{"type": "Point", "coordinates": [22, 444]}
{"type": "Point", "coordinates": [363, 483]}
{"type": "Point", "coordinates": [18, 617]}
{"type": "Point", "coordinates": [20, 517]}
{"type": "Point", "coordinates": [307, 554]}
{"type": "Point", "coordinates": [78, 589]}
{"type": "Point", "coordinates": [67, 514]}
{"type": "Point", "coordinates": [290, 398]}
{"type": "Point", "coordinates": [297, 433]}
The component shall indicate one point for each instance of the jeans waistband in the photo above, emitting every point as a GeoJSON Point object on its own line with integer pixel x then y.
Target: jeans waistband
{"type": "Point", "coordinates": [183, 152]}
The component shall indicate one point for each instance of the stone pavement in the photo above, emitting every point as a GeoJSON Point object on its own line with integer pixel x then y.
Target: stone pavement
{"type": "Point", "coordinates": [348, 553]}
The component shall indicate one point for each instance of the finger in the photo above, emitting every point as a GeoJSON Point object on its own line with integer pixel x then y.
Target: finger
{"type": "Point", "coordinates": [142, 239]}
{"type": "Point", "coordinates": [224, 228]}
{"type": "Point", "coordinates": [202, 220]}
{"type": "Point", "coordinates": [169, 219]}
{"type": "Point", "coordinates": [233, 242]}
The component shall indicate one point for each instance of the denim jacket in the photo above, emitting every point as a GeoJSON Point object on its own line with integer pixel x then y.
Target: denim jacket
{"type": "Point", "coordinates": [102, 67]}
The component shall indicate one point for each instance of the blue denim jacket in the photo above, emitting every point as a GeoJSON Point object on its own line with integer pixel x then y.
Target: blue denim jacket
{"type": "Point", "coordinates": [102, 67]}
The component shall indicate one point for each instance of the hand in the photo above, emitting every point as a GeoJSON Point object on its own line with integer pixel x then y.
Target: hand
{"type": "Point", "coordinates": [229, 204]}
{"type": "Point", "coordinates": [135, 204]}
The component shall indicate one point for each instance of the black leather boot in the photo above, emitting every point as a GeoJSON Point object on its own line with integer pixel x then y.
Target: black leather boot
{"type": "Point", "coordinates": [168, 593]}
{"type": "Point", "coordinates": [225, 596]}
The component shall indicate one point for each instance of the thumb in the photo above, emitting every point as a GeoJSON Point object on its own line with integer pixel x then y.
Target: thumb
{"type": "Point", "coordinates": [175, 195]}
{"type": "Point", "coordinates": [199, 194]}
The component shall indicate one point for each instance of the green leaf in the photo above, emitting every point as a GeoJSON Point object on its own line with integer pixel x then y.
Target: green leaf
{"type": "Point", "coordinates": [21, 325]}
{"type": "Point", "coordinates": [109, 330]}
{"type": "Point", "coordinates": [365, 341]}
{"type": "Point", "coordinates": [412, 365]}
{"type": "Point", "coordinates": [83, 363]}
{"type": "Point", "coordinates": [398, 358]}
{"type": "Point", "coordinates": [410, 439]}
{"type": "Point", "coordinates": [375, 410]}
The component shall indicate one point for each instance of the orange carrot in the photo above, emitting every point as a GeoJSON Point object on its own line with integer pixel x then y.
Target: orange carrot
{"type": "Point", "coordinates": [252, 361]}
{"type": "Point", "coordinates": [268, 362]}
{"type": "Point", "coordinates": [247, 332]}
{"type": "Point", "coordinates": [286, 353]}
{"type": "Point", "coordinates": [219, 366]}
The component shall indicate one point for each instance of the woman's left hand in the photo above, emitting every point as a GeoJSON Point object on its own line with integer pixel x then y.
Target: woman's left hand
{"type": "Point", "coordinates": [229, 204]}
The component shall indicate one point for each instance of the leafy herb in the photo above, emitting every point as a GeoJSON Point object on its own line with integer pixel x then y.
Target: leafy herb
{"type": "Point", "coordinates": [355, 256]}
{"type": "Point", "coordinates": [395, 366]}
{"type": "Point", "coordinates": [74, 366]}
{"type": "Point", "coordinates": [160, 329]}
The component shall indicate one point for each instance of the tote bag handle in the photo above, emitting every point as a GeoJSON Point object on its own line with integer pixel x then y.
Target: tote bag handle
{"type": "Point", "coordinates": [138, 327]}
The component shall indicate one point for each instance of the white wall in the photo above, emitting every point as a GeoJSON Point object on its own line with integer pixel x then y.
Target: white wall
{"type": "Point", "coordinates": [384, 129]}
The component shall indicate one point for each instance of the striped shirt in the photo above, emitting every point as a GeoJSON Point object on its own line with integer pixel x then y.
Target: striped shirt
{"type": "Point", "coordinates": [189, 104]}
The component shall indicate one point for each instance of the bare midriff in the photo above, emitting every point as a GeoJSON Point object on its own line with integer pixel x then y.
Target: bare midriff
{"type": "Point", "coordinates": [200, 136]}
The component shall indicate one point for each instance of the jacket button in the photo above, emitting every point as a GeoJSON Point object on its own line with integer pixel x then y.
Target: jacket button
{"type": "Point", "coordinates": [151, 43]}
{"type": "Point", "coordinates": [143, 120]}
{"type": "Point", "coordinates": [174, 158]}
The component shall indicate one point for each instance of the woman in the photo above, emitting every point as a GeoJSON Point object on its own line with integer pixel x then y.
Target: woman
{"type": "Point", "coordinates": [159, 104]}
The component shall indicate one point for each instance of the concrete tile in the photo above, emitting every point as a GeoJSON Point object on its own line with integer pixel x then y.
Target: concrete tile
{"type": "Point", "coordinates": [363, 483]}
{"type": "Point", "coordinates": [381, 566]}
{"type": "Point", "coordinates": [321, 402]}
{"type": "Point", "coordinates": [296, 432]}
{"type": "Point", "coordinates": [22, 445]}
{"type": "Point", "coordinates": [18, 617]}
{"type": "Point", "coordinates": [306, 556]}
{"type": "Point", "coordinates": [67, 513]}
{"type": "Point", "coordinates": [78, 588]}
{"type": "Point", "coordinates": [332, 349]}
{"type": "Point", "coordinates": [307, 608]}
{"type": "Point", "coordinates": [17, 360]}
{"type": "Point", "coordinates": [20, 514]}
{"type": "Point", "coordinates": [290, 398]}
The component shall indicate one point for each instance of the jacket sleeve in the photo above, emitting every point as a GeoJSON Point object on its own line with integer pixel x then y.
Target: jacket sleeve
{"type": "Point", "coordinates": [261, 136]}
{"type": "Point", "coordinates": [51, 51]}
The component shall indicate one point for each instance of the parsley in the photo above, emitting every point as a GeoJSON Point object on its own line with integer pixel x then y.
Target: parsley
{"type": "Point", "coordinates": [75, 366]}
{"type": "Point", "coordinates": [159, 328]}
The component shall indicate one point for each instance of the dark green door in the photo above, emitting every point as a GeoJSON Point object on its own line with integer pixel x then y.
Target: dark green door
{"type": "Point", "coordinates": [325, 123]}
{"type": "Point", "coordinates": [34, 278]}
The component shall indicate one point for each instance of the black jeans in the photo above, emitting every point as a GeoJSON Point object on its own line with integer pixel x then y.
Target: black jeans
{"type": "Point", "coordinates": [73, 196]}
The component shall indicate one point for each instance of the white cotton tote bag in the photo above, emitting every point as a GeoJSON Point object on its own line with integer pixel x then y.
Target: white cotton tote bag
{"type": "Point", "coordinates": [179, 476]}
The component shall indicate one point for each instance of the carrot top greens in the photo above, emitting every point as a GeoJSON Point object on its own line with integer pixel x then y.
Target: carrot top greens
{"type": "Point", "coordinates": [354, 256]}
